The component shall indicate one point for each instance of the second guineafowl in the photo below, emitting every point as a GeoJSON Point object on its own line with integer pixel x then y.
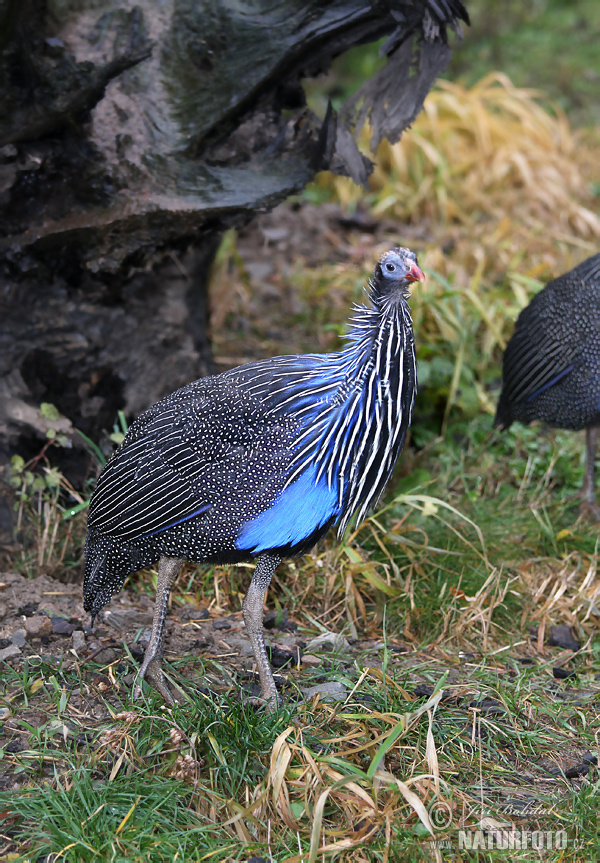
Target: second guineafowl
{"type": "Point", "coordinates": [551, 366]}
{"type": "Point", "coordinates": [257, 463]}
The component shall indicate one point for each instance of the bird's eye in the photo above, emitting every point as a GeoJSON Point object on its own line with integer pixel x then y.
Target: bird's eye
{"type": "Point", "coordinates": [390, 268]}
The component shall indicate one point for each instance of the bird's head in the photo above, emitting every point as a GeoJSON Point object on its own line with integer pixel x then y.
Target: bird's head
{"type": "Point", "coordinates": [395, 270]}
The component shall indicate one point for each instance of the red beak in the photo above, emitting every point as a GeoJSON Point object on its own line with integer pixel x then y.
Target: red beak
{"type": "Point", "coordinates": [415, 274]}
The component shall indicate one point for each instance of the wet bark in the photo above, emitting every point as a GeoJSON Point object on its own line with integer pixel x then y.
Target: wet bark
{"type": "Point", "coordinates": [131, 136]}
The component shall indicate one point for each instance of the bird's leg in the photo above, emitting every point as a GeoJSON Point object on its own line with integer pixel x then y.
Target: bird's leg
{"type": "Point", "coordinates": [588, 507]}
{"type": "Point", "coordinates": [253, 618]}
{"type": "Point", "coordinates": [587, 490]}
{"type": "Point", "coordinates": [151, 668]}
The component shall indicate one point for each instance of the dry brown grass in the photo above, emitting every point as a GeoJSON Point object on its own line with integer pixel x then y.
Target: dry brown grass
{"type": "Point", "coordinates": [496, 174]}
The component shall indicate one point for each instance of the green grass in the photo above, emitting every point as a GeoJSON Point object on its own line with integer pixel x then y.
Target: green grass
{"type": "Point", "coordinates": [453, 715]}
{"type": "Point", "coordinates": [216, 779]}
{"type": "Point", "coordinates": [549, 45]}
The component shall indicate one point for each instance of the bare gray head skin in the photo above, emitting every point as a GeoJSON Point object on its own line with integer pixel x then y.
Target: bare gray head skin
{"type": "Point", "coordinates": [396, 269]}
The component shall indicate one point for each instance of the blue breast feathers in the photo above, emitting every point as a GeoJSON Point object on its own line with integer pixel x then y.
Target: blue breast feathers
{"type": "Point", "coordinates": [301, 509]}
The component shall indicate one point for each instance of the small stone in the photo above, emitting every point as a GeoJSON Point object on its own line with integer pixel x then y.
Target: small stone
{"type": "Point", "coordinates": [577, 770]}
{"type": "Point", "coordinates": [136, 651]}
{"type": "Point", "coordinates": [280, 658]}
{"type": "Point", "coordinates": [78, 639]}
{"type": "Point", "coordinates": [9, 652]}
{"type": "Point", "coordinates": [275, 618]}
{"type": "Point", "coordinates": [51, 610]}
{"type": "Point", "coordinates": [334, 691]}
{"type": "Point", "coordinates": [61, 626]}
{"type": "Point", "coordinates": [106, 656]}
{"type": "Point", "coordinates": [422, 690]}
{"type": "Point", "coordinates": [328, 641]}
{"type": "Point", "coordinates": [189, 613]}
{"type": "Point", "coordinates": [222, 624]}
{"type": "Point", "coordinates": [562, 636]}
{"type": "Point", "coordinates": [562, 673]}
{"type": "Point", "coordinates": [8, 153]}
{"type": "Point", "coordinates": [310, 660]}
{"type": "Point", "coordinates": [3, 610]}
{"type": "Point", "coordinates": [38, 625]}
{"type": "Point", "coordinates": [19, 637]}
{"type": "Point", "coordinates": [487, 706]}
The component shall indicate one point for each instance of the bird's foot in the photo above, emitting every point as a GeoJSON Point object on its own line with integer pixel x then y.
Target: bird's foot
{"type": "Point", "coordinates": [151, 671]}
{"type": "Point", "coordinates": [589, 510]}
{"type": "Point", "coordinates": [269, 699]}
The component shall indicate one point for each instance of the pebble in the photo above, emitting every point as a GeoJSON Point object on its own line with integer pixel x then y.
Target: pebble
{"type": "Point", "coordinates": [19, 637]}
{"type": "Point", "coordinates": [334, 691]}
{"type": "Point", "coordinates": [309, 659]}
{"type": "Point", "coordinates": [3, 610]}
{"type": "Point", "coordinates": [562, 636]}
{"type": "Point", "coordinates": [562, 673]}
{"type": "Point", "coordinates": [61, 625]}
{"type": "Point", "coordinates": [78, 639]}
{"type": "Point", "coordinates": [38, 625]}
{"type": "Point", "coordinates": [106, 656]}
{"type": "Point", "coordinates": [222, 624]}
{"type": "Point", "coordinates": [189, 613]}
{"type": "Point", "coordinates": [280, 658]}
{"type": "Point", "coordinates": [275, 618]}
{"type": "Point", "coordinates": [51, 610]}
{"type": "Point", "coordinates": [9, 652]}
{"type": "Point", "coordinates": [328, 641]}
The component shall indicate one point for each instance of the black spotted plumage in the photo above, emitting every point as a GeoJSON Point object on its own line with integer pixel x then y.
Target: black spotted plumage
{"type": "Point", "coordinates": [258, 462]}
{"type": "Point", "coordinates": [551, 366]}
{"type": "Point", "coordinates": [196, 461]}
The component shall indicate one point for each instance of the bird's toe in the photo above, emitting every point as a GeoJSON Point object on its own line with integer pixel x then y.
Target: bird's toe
{"type": "Point", "coordinates": [154, 675]}
{"type": "Point", "coordinates": [589, 510]}
{"type": "Point", "coordinates": [268, 700]}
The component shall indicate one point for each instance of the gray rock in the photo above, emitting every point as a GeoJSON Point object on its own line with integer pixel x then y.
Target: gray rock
{"type": "Point", "coordinates": [19, 637]}
{"type": "Point", "coordinates": [106, 656]}
{"type": "Point", "coordinates": [78, 639]}
{"type": "Point", "coordinates": [328, 641]}
{"type": "Point", "coordinates": [38, 625]}
{"type": "Point", "coordinates": [9, 652]}
{"type": "Point", "coordinates": [311, 660]}
{"type": "Point", "coordinates": [334, 691]}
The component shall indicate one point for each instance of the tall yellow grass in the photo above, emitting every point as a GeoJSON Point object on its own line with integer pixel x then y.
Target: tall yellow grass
{"type": "Point", "coordinates": [495, 173]}
{"type": "Point", "coordinates": [496, 194]}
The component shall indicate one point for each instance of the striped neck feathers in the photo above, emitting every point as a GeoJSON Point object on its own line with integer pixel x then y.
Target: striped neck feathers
{"type": "Point", "coordinates": [353, 428]}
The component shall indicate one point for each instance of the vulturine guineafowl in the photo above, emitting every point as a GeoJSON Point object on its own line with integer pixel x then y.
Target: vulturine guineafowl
{"type": "Point", "coordinates": [551, 366]}
{"type": "Point", "coordinates": [257, 463]}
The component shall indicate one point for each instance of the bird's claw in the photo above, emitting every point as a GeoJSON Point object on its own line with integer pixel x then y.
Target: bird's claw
{"type": "Point", "coordinates": [153, 674]}
{"type": "Point", "coordinates": [589, 509]}
{"type": "Point", "coordinates": [269, 699]}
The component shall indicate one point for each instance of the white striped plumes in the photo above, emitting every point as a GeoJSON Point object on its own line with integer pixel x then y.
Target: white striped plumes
{"type": "Point", "coordinates": [354, 406]}
{"type": "Point", "coordinates": [208, 473]}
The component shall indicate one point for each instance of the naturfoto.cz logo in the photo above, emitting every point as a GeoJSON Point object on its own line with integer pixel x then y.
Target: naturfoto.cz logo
{"type": "Point", "coordinates": [516, 840]}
